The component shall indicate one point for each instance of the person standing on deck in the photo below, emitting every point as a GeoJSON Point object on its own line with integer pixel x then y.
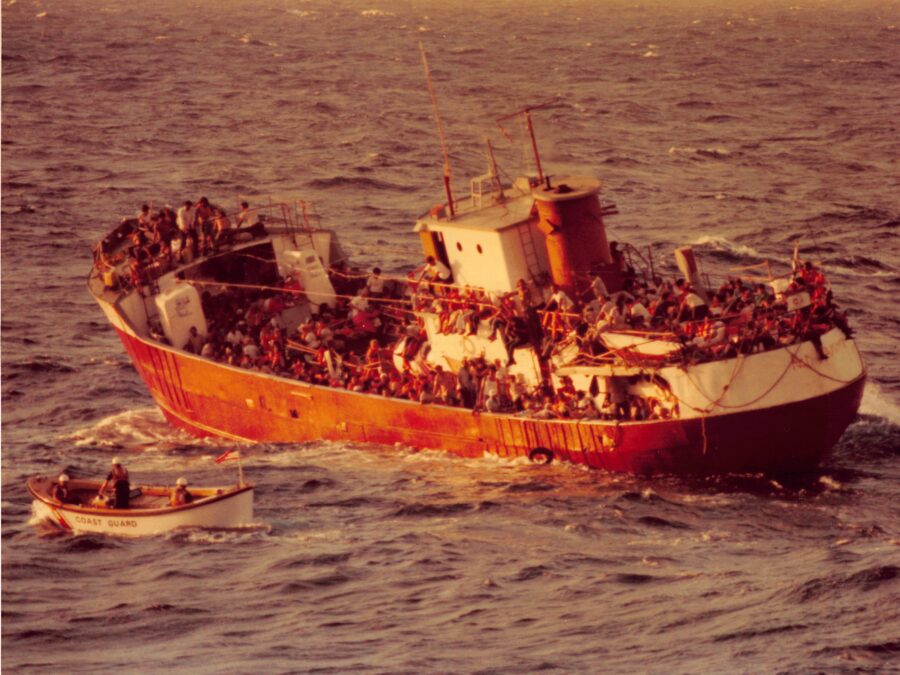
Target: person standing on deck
{"type": "Point", "coordinates": [221, 228]}
{"type": "Point", "coordinates": [468, 388]}
{"type": "Point", "coordinates": [375, 283]}
{"type": "Point", "coordinates": [118, 480]}
{"type": "Point", "coordinates": [203, 226]}
{"type": "Point", "coordinates": [143, 217]}
{"type": "Point", "coordinates": [184, 219]}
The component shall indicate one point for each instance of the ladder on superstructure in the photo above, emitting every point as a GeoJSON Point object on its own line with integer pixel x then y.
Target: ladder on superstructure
{"type": "Point", "coordinates": [526, 237]}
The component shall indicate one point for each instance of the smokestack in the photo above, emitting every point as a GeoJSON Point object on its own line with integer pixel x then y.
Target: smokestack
{"type": "Point", "coordinates": [569, 216]}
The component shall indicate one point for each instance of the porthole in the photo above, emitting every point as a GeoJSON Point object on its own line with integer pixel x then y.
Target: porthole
{"type": "Point", "coordinates": [478, 248]}
{"type": "Point", "coordinates": [458, 246]}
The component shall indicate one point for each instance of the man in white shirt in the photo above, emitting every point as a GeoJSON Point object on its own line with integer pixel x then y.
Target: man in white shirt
{"type": "Point", "coordinates": [234, 337]}
{"type": "Point", "coordinates": [184, 219]}
{"type": "Point", "coordinates": [435, 270]}
{"type": "Point", "coordinates": [598, 288]}
{"type": "Point", "coordinates": [640, 316]}
{"type": "Point", "coordinates": [250, 348]}
{"type": "Point", "coordinates": [562, 301]}
{"type": "Point", "coordinates": [696, 306]}
{"type": "Point", "coordinates": [375, 283]}
{"type": "Point", "coordinates": [359, 302]}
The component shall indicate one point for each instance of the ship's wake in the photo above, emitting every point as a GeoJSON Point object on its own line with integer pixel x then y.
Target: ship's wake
{"type": "Point", "coordinates": [142, 428]}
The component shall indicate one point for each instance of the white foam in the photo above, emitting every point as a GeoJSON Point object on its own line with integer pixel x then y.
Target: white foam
{"type": "Point", "coordinates": [874, 402]}
{"type": "Point", "coordinates": [197, 535]}
{"type": "Point", "coordinates": [830, 483]}
{"type": "Point", "coordinates": [140, 428]}
{"type": "Point", "coordinates": [376, 12]}
{"type": "Point", "coordinates": [723, 244]}
{"type": "Point", "coordinates": [851, 272]}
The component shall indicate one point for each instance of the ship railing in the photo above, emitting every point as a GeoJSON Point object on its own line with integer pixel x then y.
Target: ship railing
{"type": "Point", "coordinates": [292, 214]}
{"type": "Point", "coordinates": [642, 263]}
{"type": "Point", "coordinates": [485, 184]}
{"type": "Point", "coordinates": [633, 263]}
{"type": "Point", "coordinates": [635, 260]}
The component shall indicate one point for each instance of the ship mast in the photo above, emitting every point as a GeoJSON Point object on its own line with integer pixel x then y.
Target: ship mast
{"type": "Point", "coordinates": [440, 128]}
{"type": "Point", "coordinates": [526, 113]}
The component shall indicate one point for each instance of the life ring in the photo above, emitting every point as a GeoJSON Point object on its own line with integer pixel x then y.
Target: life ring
{"type": "Point", "coordinates": [540, 456]}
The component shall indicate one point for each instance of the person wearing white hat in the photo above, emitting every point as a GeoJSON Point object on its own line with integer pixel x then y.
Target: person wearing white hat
{"type": "Point", "coordinates": [118, 480]}
{"type": "Point", "coordinates": [60, 489]}
{"type": "Point", "coordinates": [180, 496]}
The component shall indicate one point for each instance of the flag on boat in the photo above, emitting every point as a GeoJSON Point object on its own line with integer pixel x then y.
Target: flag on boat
{"type": "Point", "coordinates": [228, 456]}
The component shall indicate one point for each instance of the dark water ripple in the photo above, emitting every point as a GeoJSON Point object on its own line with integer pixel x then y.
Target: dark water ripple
{"type": "Point", "coordinates": [739, 130]}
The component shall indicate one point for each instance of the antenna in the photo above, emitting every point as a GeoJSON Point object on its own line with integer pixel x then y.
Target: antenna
{"type": "Point", "coordinates": [495, 176]}
{"type": "Point", "coordinates": [440, 128]}
{"type": "Point", "coordinates": [526, 112]}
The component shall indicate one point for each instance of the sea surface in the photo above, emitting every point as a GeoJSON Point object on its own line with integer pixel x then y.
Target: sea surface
{"type": "Point", "coordinates": [742, 128]}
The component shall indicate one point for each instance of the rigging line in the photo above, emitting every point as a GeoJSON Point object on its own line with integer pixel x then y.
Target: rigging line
{"type": "Point", "coordinates": [713, 403]}
{"type": "Point", "coordinates": [823, 375]}
{"type": "Point", "coordinates": [703, 432]}
{"type": "Point", "coordinates": [258, 287]}
{"type": "Point", "coordinates": [793, 359]}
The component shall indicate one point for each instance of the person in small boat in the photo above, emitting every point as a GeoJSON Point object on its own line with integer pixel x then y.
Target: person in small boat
{"type": "Point", "coordinates": [118, 481]}
{"type": "Point", "coordinates": [60, 489]}
{"type": "Point", "coordinates": [180, 495]}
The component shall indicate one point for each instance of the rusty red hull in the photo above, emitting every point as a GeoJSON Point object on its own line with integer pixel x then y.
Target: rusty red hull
{"type": "Point", "coordinates": [207, 398]}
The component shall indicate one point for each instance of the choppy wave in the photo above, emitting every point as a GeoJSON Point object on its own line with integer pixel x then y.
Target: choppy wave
{"type": "Point", "coordinates": [353, 182]}
{"type": "Point", "coordinates": [712, 152]}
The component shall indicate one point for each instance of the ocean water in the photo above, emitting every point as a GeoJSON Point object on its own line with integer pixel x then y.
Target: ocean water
{"type": "Point", "coordinates": [740, 128]}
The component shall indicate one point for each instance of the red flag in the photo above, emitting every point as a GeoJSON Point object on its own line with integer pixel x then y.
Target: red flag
{"type": "Point", "coordinates": [228, 455]}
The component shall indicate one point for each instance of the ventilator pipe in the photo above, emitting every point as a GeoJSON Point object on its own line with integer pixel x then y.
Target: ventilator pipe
{"type": "Point", "coordinates": [687, 263]}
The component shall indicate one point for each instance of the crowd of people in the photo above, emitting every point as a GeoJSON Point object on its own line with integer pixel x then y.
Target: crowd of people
{"type": "Point", "coordinates": [739, 317]}
{"type": "Point", "coordinates": [352, 346]}
{"type": "Point", "coordinates": [159, 239]}
{"type": "Point", "coordinates": [350, 343]}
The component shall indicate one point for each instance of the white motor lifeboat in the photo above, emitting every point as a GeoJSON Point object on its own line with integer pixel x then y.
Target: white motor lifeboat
{"type": "Point", "coordinates": [149, 511]}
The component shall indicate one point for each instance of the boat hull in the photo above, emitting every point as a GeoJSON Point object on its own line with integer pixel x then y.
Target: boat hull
{"type": "Point", "coordinates": [207, 398]}
{"type": "Point", "coordinates": [232, 509]}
